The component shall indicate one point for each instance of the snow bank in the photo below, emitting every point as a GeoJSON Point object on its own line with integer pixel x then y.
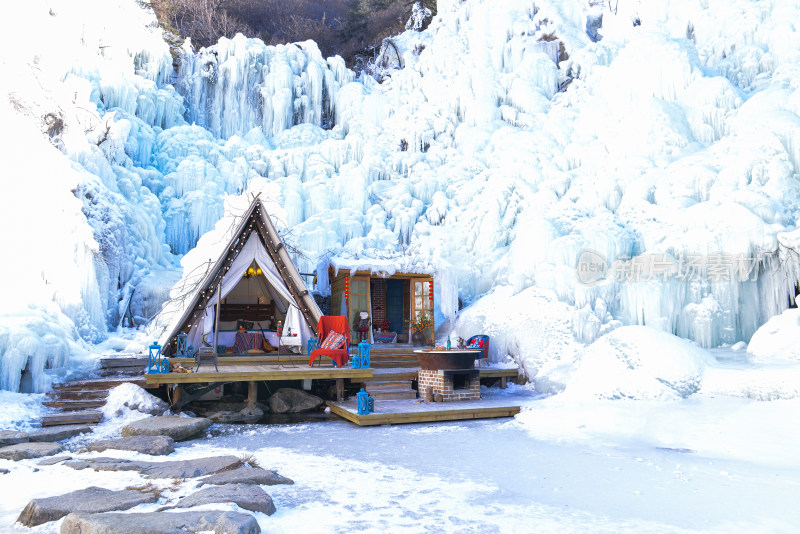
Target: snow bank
{"type": "Point", "coordinates": [777, 340]}
{"type": "Point", "coordinates": [637, 362]}
{"type": "Point", "coordinates": [128, 402]}
{"type": "Point", "coordinates": [532, 327]}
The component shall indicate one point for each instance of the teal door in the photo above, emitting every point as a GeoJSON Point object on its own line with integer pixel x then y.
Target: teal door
{"type": "Point", "coordinates": [394, 305]}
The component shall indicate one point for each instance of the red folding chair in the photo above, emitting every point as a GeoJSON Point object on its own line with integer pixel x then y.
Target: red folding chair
{"type": "Point", "coordinates": [335, 323]}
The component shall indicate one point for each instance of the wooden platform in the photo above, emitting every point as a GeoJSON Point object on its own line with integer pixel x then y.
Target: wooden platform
{"type": "Point", "coordinates": [257, 372]}
{"type": "Point", "coordinates": [393, 412]}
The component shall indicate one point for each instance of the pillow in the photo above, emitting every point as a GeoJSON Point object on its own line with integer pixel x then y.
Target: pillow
{"type": "Point", "coordinates": [333, 340]}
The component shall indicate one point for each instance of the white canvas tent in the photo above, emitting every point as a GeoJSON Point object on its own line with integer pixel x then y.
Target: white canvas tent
{"type": "Point", "coordinates": [255, 243]}
{"type": "Point", "coordinates": [269, 281]}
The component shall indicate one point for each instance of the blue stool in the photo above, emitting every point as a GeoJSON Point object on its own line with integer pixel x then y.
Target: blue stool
{"type": "Point", "coordinates": [156, 363]}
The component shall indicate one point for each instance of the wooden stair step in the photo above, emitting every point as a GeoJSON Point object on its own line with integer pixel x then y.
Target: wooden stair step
{"type": "Point", "coordinates": [74, 405]}
{"type": "Point", "coordinates": [397, 395]}
{"type": "Point", "coordinates": [110, 363]}
{"type": "Point", "coordinates": [78, 394]}
{"type": "Point", "coordinates": [97, 383]}
{"type": "Point", "coordinates": [387, 384]}
{"type": "Point", "coordinates": [89, 416]}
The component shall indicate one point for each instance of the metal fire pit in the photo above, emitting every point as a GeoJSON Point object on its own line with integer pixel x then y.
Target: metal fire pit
{"type": "Point", "coordinates": [435, 360]}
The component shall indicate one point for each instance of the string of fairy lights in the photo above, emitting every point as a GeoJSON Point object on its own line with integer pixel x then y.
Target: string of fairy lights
{"type": "Point", "coordinates": [273, 249]}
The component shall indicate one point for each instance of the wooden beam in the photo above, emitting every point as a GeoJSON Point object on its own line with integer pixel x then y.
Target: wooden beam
{"type": "Point", "coordinates": [339, 389]}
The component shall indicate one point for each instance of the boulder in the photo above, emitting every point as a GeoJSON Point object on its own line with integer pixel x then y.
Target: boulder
{"type": "Point", "coordinates": [247, 475]}
{"type": "Point", "coordinates": [153, 445]}
{"type": "Point", "coordinates": [90, 500]}
{"type": "Point", "coordinates": [161, 523]}
{"type": "Point", "coordinates": [245, 496]}
{"type": "Point", "coordinates": [12, 437]}
{"type": "Point", "coordinates": [288, 400]}
{"type": "Point", "coordinates": [176, 469]}
{"type": "Point", "coordinates": [224, 417]}
{"type": "Point", "coordinates": [58, 433]}
{"type": "Point", "coordinates": [53, 460]}
{"type": "Point", "coordinates": [249, 414]}
{"type": "Point", "coordinates": [23, 451]}
{"type": "Point", "coordinates": [178, 428]}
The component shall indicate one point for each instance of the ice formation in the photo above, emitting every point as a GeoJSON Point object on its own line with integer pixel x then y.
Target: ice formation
{"type": "Point", "coordinates": [519, 139]}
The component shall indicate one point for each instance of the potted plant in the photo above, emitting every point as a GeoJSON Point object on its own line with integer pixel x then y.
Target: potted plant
{"type": "Point", "coordinates": [418, 327]}
{"type": "Point", "coordinates": [382, 325]}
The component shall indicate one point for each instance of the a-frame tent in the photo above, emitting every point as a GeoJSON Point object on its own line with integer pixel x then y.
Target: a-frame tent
{"type": "Point", "coordinates": [255, 242]}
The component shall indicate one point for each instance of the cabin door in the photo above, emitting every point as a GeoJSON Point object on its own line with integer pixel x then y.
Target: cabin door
{"type": "Point", "coordinates": [394, 305]}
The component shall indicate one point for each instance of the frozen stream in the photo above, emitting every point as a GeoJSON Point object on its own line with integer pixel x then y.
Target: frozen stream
{"type": "Point", "coordinates": [711, 463]}
{"type": "Point", "coordinates": [493, 476]}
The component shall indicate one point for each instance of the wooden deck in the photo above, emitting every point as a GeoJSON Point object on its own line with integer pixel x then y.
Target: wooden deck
{"type": "Point", "coordinates": [395, 412]}
{"type": "Point", "coordinates": [254, 372]}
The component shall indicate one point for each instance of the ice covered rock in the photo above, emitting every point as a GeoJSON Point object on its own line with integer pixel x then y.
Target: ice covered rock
{"type": "Point", "coordinates": [637, 362]}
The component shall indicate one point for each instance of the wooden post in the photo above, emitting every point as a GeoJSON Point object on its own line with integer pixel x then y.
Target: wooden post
{"type": "Point", "coordinates": [503, 382]}
{"type": "Point", "coordinates": [339, 389]}
{"type": "Point", "coordinates": [176, 393]}
{"type": "Point", "coordinates": [216, 318]}
{"type": "Point", "coordinates": [252, 393]}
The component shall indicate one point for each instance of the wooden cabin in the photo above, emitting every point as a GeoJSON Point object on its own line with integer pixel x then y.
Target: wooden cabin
{"type": "Point", "coordinates": [398, 298]}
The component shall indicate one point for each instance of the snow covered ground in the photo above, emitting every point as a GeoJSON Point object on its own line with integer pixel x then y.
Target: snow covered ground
{"type": "Point", "coordinates": [707, 464]}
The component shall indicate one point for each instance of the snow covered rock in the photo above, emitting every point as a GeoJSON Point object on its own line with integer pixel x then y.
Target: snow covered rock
{"type": "Point", "coordinates": [12, 437]}
{"type": "Point", "coordinates": [177, 428]}
{"type": "Point", "coordinates": [247, 475]}
{"type": "Point", "coordinates": [58, 433]}
{"type": "Point", "coordinates": [637, 362]}
{"type": "Point", "coordinates": [153, 445]}
{"type": "Point", "coordinates": [247, 496]}
{"type": "Point", "coordinates": [89, 500]}
{"type": "Point", "coordinates": [24, 451]}
{"type": "Point", "coordinates": [147, 523]}
{"type": "Point", "coordinates": [129, 397]}
{"type": "Point", "coordinates": [777, 339]}
{"type": "Point", "coordinates": [197, 467]}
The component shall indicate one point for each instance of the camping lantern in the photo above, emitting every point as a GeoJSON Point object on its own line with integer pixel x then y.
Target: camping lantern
{"type": "Point", "coordinates": [180, 350]}
{"type": "Point", "coordinates": [361, 361]}
{"type": "Point", "coordinates": [362, 402]}
{"type": "Point", "coordinates": [155, 360]}
{"type": "Point", "coordinates": [347, 288]}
